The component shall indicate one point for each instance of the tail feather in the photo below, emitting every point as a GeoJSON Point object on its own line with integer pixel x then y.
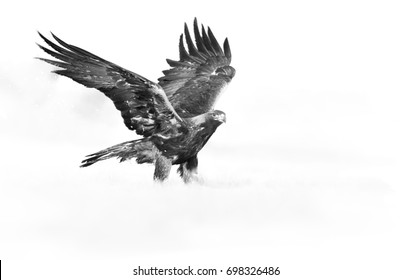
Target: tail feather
{"type": "Point", "coordinates": [142, 150]}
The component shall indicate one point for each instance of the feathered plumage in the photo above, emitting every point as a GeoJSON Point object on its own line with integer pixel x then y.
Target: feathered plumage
{"type": "Point", "coordinates": [194, 83]}
{"type": "Point", "coordinates": [175, 116]}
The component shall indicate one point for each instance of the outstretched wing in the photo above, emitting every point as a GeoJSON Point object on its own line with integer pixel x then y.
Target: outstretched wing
{"type": "Point", "coordinates": [143, 104]}
{"type": "Point", "coordinates": [195, 81]}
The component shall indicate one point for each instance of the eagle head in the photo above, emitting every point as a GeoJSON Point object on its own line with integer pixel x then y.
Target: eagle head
{"type": "Point", "coordinates": [218, 116]}
{"type": "Point", "coordinates": [211, 119]}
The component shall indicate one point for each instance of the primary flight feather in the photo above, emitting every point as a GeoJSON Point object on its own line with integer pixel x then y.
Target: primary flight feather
{"type": "Point", "coordinates": [175, 116]}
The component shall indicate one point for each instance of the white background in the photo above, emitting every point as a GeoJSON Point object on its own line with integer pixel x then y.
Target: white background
{"type": "Point", "coordinates": [310, 173]}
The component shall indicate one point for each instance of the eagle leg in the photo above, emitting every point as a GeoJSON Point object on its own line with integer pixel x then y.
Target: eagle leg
{"type": "Point", "coordinates": [162, 168]}
{"type": "Point", "coordinates": [188, 170]}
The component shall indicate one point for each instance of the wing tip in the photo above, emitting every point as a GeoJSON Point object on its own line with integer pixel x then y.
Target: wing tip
{"type": "Point", "coordinates": [54, 36]}
{"type": "Point", "coordinates": [190, 44]}
{"type": "Point", "coordinates": [42, 36]}
{"type": "Point", "coordinates": [214, 42]}
{"type": "Point", "coordinates": [227, 50]}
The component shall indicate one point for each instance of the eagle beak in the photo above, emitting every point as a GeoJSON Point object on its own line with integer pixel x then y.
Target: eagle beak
{"type": "Point", "coordinates": [222, 118]}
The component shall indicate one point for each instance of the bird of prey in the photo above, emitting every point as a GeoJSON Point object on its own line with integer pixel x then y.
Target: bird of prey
{"type": "Point", "coordinates": [175, 116]}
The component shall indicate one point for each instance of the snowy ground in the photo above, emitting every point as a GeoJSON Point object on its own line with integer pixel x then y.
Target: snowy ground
{"type": "Point", "coordinates": [310, 173]}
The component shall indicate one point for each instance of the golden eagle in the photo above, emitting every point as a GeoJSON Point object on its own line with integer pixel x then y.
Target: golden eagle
{"type": "Point", "coordinates": [175, 116]}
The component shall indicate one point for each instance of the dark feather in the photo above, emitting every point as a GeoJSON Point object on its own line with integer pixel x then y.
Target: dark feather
{"type": "Point", "coordinates": [214, 43]}
{"type": "Point", "coordinates": [191, 48]}
{"type": "Point", "coordinates": [184, 56]}
{"type": "Point", "coordinates": [227, 50]}
{"type": "Point", "coordinates": [207, 41]}
{"type": "Point", "coordinates": [78, 50]}
{"type": "Point", "coordinates": [194, 83]}
{"type": "Point", "coordinates": [174, 63]}
{"type": "Point", "coordinates": [199, 40]}
{"type": "Point", "coordinates": [142, 103]}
